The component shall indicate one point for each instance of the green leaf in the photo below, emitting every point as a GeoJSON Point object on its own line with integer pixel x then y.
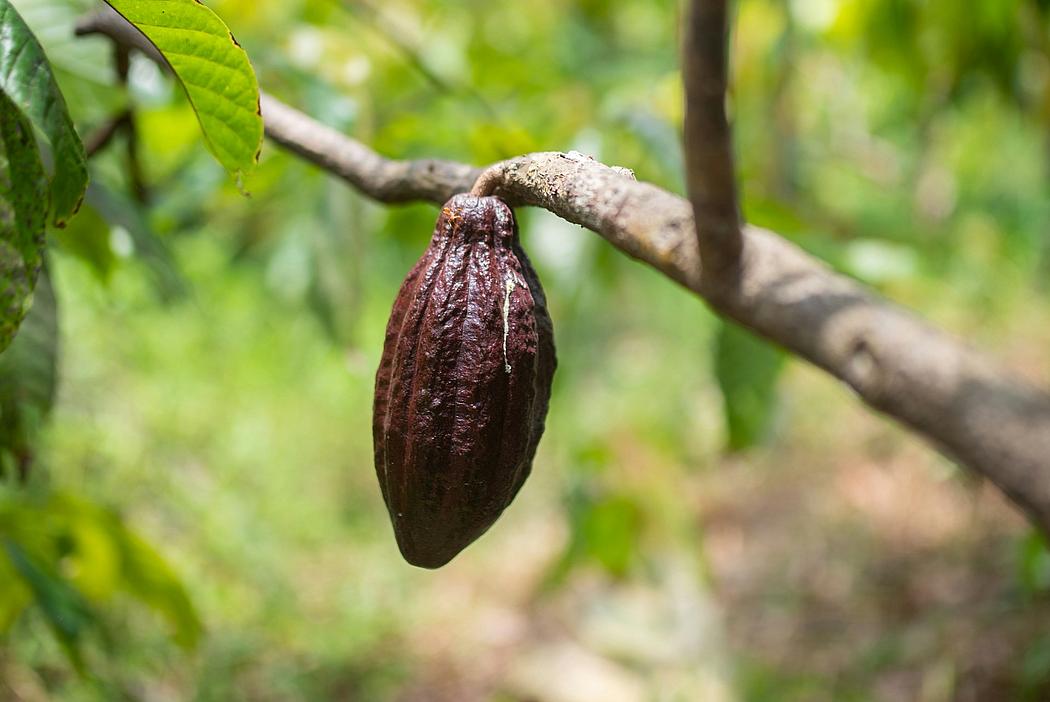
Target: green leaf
{"type": "Point", "coordinates": [149, 578]}
{"type": "Point", "coordinates": [27, 80]}
{"type": "Point", "coordinates": [747, 369]}
{"type": "Point", "coordinates": [65, 610]}
{"type": "Point", "coordinates": [14, 595]}
{"type": "Point", "coordinates": [143, 573]}
{"type": "Point", "coordinates": [69, 556]}
{"type": "Point", "coordinates": [609, 530]}
{"type": "Point", "coordinates": [212, 68]}
{"type": "Point", "coordinates": [28, 377]}
{"type": "Point", "coordinates": [605, 529]}
{"type": "Point", "coordinates": [23, 217]}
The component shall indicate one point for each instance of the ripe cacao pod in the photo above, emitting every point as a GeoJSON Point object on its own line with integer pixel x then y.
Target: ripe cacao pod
{"type": "Point", "coordinates": [463, 384]}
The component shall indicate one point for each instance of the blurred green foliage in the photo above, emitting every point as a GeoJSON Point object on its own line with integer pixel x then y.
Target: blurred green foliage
{"type": "Point", "coordinates": [747, 370]}
{"type": "Point", "coordinates": [218, 353]}
{"type": "Point", "coordinates": [28, 379]}
{"type": "Point", "coordinates": [69, 554]}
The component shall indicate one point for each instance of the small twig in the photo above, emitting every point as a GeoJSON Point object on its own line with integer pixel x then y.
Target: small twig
{"type": "Point", "coordinates": [710, 175]}
{"type": "Point", "coordinates": [136, 173]}
{"type": "Point", "coordinates": [125, 37]}
{"type": "Point", "coordinates": [101, 137]}
{"type": "Point", "coordinates": [122, 62]}
{"type": "Point", "coordinates": [24, 465]}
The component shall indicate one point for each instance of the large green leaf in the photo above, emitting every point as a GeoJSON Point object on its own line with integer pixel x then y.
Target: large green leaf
{"type": "Point", "coordinates": [748, 370]}
{"type": "Point", "coordinates": [27, 80]}
{"type": "Point", "coordinates": [23, 217]}
{"type": "Point", "coordinates": [213, 69]}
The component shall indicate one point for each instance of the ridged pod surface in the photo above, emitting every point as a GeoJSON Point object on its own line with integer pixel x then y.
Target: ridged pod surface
{"type": "Point", "coordinates": [464, 382]}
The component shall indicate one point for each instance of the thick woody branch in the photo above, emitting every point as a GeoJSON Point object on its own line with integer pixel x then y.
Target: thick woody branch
{"type": "Point", "coordinates": [957, 399]}
{"type": "Point", "coordinates": [710, 176]}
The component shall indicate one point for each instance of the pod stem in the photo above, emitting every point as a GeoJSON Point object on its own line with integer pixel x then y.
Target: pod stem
{"type": "Point", "coordinates": [489, 181]}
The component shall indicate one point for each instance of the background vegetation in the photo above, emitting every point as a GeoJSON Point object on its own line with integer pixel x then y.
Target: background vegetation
{"type": "Point", "coordinates": [706, 518]}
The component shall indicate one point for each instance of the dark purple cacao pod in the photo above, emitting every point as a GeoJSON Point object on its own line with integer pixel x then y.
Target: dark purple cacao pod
{"type": "Point", "coordinates": [464, 382]}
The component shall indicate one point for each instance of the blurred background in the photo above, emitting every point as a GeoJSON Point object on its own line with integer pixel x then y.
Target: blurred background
{"type": "Point", "coordinates": [706, 520]}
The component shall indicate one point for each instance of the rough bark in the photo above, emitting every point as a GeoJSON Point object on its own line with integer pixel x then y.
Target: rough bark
{"type": "Point", "coordinates": [709, 172]}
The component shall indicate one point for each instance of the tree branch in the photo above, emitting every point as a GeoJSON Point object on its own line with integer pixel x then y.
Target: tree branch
{"type": "Point", "coordinates": [710, 176]}
{"type": "Point", "coordinates": [380, 178]}
{"type": "Point", "coordinates": [99, 139]}
{"type": "Point", "coordinates": [961, 402]}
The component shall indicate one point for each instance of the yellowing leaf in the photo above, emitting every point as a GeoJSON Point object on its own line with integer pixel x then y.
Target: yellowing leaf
{"type": "Point", "coordinates": [212, 68]}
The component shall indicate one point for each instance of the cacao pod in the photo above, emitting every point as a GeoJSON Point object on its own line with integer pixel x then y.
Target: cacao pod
{"type": "Point", "coordinates": [463, 384]}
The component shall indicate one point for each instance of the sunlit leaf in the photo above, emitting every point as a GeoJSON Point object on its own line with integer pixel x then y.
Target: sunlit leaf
{"type": "Point", "coordinates": [747, 369]}
{"type": "Point", "coordinates": [27, 80]}
{"type": "Point", "coordinates": [23, 218]}
{"type": "Point", "coordinates": [213, 69]}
